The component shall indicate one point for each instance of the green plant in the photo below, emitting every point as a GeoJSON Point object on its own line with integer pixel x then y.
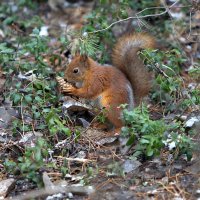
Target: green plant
{"type": "Point", "coordinates": [101, 17]}
{"type": "Point", "coordinates": [101, 117]}
{"type": "Point", "coordinates": [192, 100]}
{"type": "Point", "coordinates": [31, 88]}
{"type": "Point", "coordinates": [15, 23]}
{"type": "Point", "coordinates": [64, 168]}
{"type": "Point", "coordinates": [167, 89]}
{"type": "Point", "coordinates": [152, 135]}
{"type": "Point", "coordinates": [83, 43]}
{"type": "Point", "coordinates": [181, 143]}
{"type": "Point", "coordinates": [91, 172]}
{"type": "Point", "coordinates": [29, 3]}
{"type": "Point", "coordinates": [55, 124]}
{"type": "Point", "coordinates": [195, 71]}
{"type": "Point", "coordinates": [33, 160]}
{"type": "Point", "coordinates": [35, 100]}
{"type": "Point", "coordinates": [139, 127]}
{"type": "Point", "coordinates": [37, 94]}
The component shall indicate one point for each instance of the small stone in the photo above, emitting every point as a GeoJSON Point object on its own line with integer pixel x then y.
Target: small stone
{"type": "Point", "coordinates": [191, 121]}
{"type": "Point", "coordinates": [130, 165]}
{"type": "Point", "coordinates": [107, 140]}
{"type": "Point", "coordinates": [198, 191]}
{"type": "Point", "coordinates": [55, 196]}
{"type": "Point", "coordinates": [183, 117]}
{"type": "Point", "coordinates": [6, 186]}
{"type": "Point", "coordinates": [81, 155]}
{"type": "Point", "coordinates": [70, 195]}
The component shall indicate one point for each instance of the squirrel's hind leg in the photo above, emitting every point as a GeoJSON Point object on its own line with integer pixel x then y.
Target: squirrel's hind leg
{"type": "Point", "coordinates": [113, 116]}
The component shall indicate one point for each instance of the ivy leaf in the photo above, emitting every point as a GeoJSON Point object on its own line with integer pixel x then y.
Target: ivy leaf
{"type": "Point", "coordinates": [17, 98]}
{"type": "Point", "coordinates": [150, 152]}
{"type": "Point", "coordinates": [144, 141]}
{"type": "Point", "coordinates": [28, 98]}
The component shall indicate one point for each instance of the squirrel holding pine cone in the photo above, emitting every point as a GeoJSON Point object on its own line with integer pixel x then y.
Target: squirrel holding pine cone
{"type": "Point", "coordinates": [127, 81]}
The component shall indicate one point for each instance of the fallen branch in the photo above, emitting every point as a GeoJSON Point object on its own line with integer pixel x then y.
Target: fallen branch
{"type": "Point", "coordinates": [79, 190]}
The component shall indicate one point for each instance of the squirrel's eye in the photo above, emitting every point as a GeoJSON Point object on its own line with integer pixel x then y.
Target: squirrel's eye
{"type": "Point", "coordinates": [75, 70]}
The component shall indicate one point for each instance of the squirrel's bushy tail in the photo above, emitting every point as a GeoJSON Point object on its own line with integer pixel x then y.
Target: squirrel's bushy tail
{"type": "Point", "coordinates": [126, 59]}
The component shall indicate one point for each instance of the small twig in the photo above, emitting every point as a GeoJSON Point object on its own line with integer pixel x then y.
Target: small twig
{"type": "Point", "coordinates": [83, 160]}
{"type": "Point", "coordinates": [181, 191]}
{"type": "Point", "coordinates": [169, 189]}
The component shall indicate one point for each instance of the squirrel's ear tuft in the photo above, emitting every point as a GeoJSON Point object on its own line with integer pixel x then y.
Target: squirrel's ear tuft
{"type": "Point", "coordinates": [83, 58]}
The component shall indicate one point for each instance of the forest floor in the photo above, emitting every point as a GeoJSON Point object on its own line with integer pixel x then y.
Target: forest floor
{"type": "Point", "coordinates": [96, 166]}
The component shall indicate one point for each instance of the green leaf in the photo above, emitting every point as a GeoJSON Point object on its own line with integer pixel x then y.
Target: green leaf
{"type": "Point", "coordinates": [144, 141]}
{"type": "Point", "coordinates": [28, 98]}
{"type": "Point", "coordinates": [38, 99]}
{"type": "Point", "coordinates": [36, 31]}
{"type": "Point", "coordinates": [38, 155]}
{"type": "Point", "coordinates": [42, 127]}
{"type": "Point", "coordinates": [9, 20]}
{"type": "Point", "coordinates": [53, 130]}
{"type": "Point", "coordinates": [66, 131]}
{"type": "Point", "coordinates": [130, 140]}
{"type": "Point", "coordinates": [17, 98]}
{"type": "Point", "coordinates": [37, 115]}
{"type": "Point", "coordinates": [150, 152]}
{"type": "Point", "coordinates": [46, 110]}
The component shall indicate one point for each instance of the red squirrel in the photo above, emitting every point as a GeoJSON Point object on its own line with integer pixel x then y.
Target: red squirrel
{"type": "Point", "coordinates": [127, 81]}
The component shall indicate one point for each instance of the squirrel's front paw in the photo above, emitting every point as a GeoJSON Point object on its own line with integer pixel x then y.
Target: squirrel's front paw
{"type": "Point", "coordinates": [69, 89]}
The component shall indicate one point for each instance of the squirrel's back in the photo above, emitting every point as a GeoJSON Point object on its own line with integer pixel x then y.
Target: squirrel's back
{"type": "Point", "coordinates": [125, 57]}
